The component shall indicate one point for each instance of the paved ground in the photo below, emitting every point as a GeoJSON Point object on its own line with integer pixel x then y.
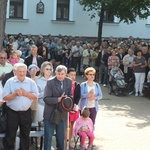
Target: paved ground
{"type": "Point", "coordinates": [123, 123]}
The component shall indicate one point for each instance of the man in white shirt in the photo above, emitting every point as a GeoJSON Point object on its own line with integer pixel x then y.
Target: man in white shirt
{"type": "Point", "coordinates": [5, 67]}
{"type": "Point", "coordinates": [19, 92]}
{"type": "Point", "coordinates": [76, 56]}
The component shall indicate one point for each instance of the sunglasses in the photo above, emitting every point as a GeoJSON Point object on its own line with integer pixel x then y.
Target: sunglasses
{"type": "Point", "coordinates": [48, 69]}
{"type": "Point", "coordinates": [91, 74]}
{"type": "Point", "coordinates": [2, 57]}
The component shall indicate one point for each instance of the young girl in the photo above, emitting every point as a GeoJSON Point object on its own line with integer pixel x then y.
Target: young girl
{"type": "Point", "coordinates": [84, 128]}
{"type": "Point", "coordinates": [13, 57]}
{"type": "Point", "coordinates": [74, 114]}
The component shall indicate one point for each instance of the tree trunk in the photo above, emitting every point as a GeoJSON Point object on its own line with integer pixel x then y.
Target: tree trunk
{"type": "Point", "coordinates": [3, 6]}
{"type": "Point", "coordinates": [100, 26]}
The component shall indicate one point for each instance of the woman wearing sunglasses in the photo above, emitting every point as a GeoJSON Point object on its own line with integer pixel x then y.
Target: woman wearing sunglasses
{"type": "Point", "coordinates": [90, 93]}
{"type": "Point", "coordinates": [45, 74]}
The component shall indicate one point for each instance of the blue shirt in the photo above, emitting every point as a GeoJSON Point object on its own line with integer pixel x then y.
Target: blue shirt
{"type": "Point", "coordinates": [20, 103]}
{"type": "Point", "coordinates": [84, 95]}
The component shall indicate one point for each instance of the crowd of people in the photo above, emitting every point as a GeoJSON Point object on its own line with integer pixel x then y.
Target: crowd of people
{"type": "Point", "coordinates": [45, 68]}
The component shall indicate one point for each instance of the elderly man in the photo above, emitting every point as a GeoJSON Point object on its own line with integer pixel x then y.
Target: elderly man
{"type": "Point", "coordinates": [77, 51]}
{"type": "Point", "coordinates": [19, 92]}
{"type": "Point", "coordinates": [34, 58]}
{"type": "Point", "coordinates": [4, 66]}
{"type": "Point", "coordinates": [55, 90]}
{"type": "Point", "coordinates": [127, 62]}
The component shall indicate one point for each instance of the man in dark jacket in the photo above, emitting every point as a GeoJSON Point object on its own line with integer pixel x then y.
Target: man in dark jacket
{"type": "Point", "coordinates": [56, 88]}
{"type": "Point", "coordinates": [105, 60]}
{"type": "Point", "coordinates": [34, 58]}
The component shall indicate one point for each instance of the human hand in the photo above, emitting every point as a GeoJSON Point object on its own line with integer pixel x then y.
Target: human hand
{"type": "Point", "coordinates": [140, 64]}
{"type": "Point", "coordinates": [24, 93]}
{"type": "Point", "coordinates": [62, 96]}
{"type": "Point", "coordinates": [1, 103]}
{"type": "Point", "coordinates": [2, 76]}
{"type": "Point", "coordinates": [18, 92]}
{"type": "Point", "coordinates": [91, 93]}
{"type": "Point", "coordinates": [93, 98]}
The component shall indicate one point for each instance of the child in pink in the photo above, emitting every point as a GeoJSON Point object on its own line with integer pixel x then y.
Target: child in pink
{"type": "Point", "coordinates": [84, 128]}
{"type": "Point", "coordinates": [13, 57]}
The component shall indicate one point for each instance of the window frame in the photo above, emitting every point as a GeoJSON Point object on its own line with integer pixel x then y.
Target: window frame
{"type": "Point", "coordinates": [107, 17]}
{"type": "Point", "coordinates": [16, 5]}
{"type": "Point", "coordinates": [25, 6]}
{"type": "Point", "coordinates": [62, 6]}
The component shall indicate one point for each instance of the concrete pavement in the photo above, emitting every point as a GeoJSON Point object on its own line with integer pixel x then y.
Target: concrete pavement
{"type": "Point", "coordinates": [122, 123]}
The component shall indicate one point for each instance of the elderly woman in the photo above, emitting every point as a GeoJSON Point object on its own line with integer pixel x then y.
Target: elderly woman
{"type": "Point", "coordinates": [113, 60]}
{"type": "Point", "coordinates": [139, 66]}
{"type": "Point", "coordinates": [90, 93]}
{"type": "Point", "coordinates": [45, 74]}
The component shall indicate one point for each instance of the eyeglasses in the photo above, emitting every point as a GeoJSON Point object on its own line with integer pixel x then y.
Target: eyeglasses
{"type": "Point", "coordinates": [2, 57]}
{"type": "Point", "coordinates": [91, 74]}
{"type": "Point", "coordinates": [48, 69]}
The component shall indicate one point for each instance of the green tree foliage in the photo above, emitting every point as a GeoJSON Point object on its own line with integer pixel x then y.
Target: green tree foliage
{"type": "Point", "coordinates": [126, 10]}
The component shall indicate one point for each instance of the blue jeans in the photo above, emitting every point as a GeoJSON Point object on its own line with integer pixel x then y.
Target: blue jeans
{"type": "Point", "coordinates": [49, 129]}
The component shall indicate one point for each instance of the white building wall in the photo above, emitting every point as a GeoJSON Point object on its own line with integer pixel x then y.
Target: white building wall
{"type": "Point", "coordinates": [80, 24]}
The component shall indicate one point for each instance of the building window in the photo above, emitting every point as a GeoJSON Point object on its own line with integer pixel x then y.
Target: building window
{"type": "Point", "coordinates": [62, 10]}
{"type": "Point", "coordinates": [108, 17]}
{"type": "Point", "coordinates": [16, 9]}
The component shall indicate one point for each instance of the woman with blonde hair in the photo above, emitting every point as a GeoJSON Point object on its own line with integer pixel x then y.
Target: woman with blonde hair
{"type": "Point", "coordinates": [90, 93]}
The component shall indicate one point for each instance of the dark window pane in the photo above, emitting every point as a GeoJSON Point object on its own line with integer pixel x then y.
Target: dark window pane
{"type": "Point", "coordinates": [108, 17]}
{"type": "Point", "coordinates": [63, 10]}
{"type": "Point", "coordinates": [16, 9]}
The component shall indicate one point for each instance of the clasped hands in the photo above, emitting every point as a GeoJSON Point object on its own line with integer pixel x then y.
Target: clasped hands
{"type": "Point", "coordinates": [91, 95]}
{"type": "Point", "coordinates": [20, 92]}
{"type": "Point", "coordinates": [82, 129]}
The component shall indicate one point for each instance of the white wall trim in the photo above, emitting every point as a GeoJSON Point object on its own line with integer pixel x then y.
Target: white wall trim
{"type": "Point", "coordinates": [148, 20]}
{"type": "Point", "coordinates": [8, 5]}
{"type": "Point", "coordinates": [62, 22]}
{"type": "Point", "coordinates": [71, 11]}
{"type": "Point", "coordinates": [25, 9]}
{"type": "Point", "coordinates": [54, 9]}
{"type": "Point", "coordinates": [17, 20]}
{"type": "Point", "coordinates": [116, 19]}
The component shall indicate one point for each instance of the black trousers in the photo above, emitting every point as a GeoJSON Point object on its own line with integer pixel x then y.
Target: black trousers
{"type": "Point", "coordinates": [15, 119]}
{"type": "Point", "coordinates": [76, 61]}
{"type": "Point", "coordinates": [129, 75]}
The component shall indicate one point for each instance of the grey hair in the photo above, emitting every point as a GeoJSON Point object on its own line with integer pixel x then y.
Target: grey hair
{"type": "Point", "coordinates": [61, 68]}
{"type": "Point", "coordinates": [19, 65]}
{"type": "Point", "coordinates": [33, 46]}
{"type": "Point", "coordinates": [3, 52]}
{"type": "Point", "coordinates": [44, 64]}
{"type": "Point", "coordinates": [19, 53]}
